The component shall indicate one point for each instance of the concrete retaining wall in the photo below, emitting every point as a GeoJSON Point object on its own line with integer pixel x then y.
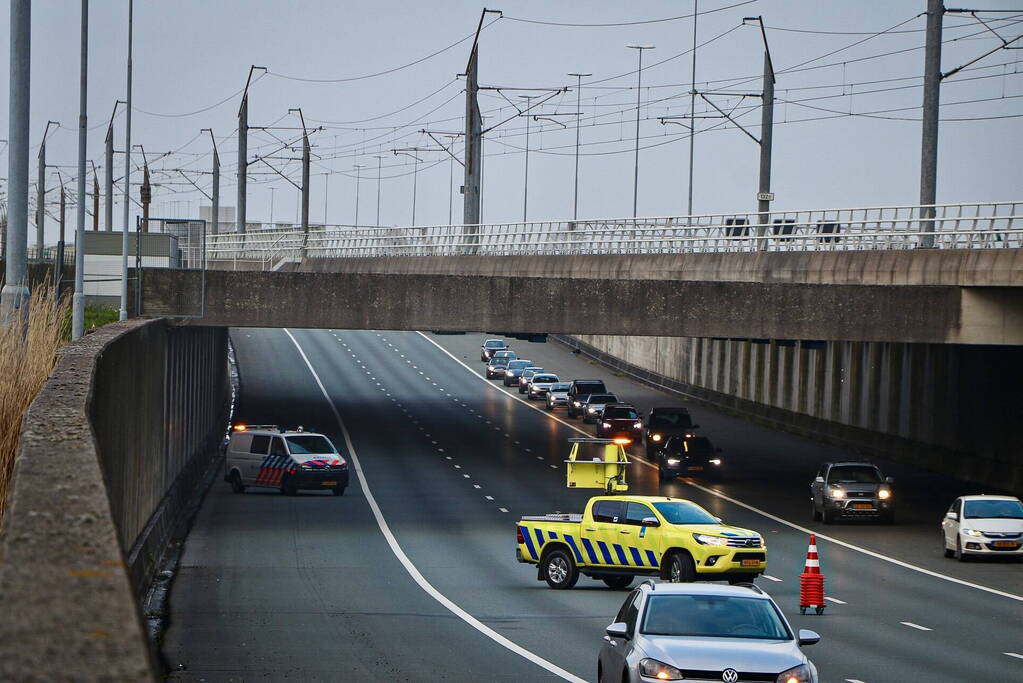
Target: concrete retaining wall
{"type": "Point", "coordinates": [948, 408]}
{"type": "Point", "coordinates": [117, 439]}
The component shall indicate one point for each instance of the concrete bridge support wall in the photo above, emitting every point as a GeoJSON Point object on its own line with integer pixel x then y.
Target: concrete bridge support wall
{"type": "Point", "coordinates": [949, 408]}
{"type": "Point", "coordinates": [111, 452]}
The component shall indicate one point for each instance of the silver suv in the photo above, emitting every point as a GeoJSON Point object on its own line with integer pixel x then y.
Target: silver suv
{"type": "Point", "coordinates": [703, 632]}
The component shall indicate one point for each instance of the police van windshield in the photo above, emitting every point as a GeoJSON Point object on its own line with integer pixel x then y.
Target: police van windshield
{"type": "Point", "coordinates": [309, 444]}
{"type": "Point", "coordinates": [677, 512]}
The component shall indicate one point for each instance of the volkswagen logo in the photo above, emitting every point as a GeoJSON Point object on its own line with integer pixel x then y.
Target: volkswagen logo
{"type": "Point", "coordinates": [729, 675]}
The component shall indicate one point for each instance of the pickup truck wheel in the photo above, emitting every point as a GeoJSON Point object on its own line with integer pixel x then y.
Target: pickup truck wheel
{"type": "Point", "coordinates": [236, 483]}
{"type": "Point", "coordinates": [559, 569]}
{"type": "Point", "coordinates": [680, 568]}
{"type": "Point", "coordinates": [618, 582]}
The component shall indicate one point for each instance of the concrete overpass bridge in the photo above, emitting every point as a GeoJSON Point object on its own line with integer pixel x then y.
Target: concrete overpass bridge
{"type": "Point", "coordinates": [887, 274]}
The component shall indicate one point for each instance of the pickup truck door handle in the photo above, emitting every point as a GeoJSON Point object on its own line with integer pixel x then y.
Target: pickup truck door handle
{"type": "Point", "coordinates": [623, 531]}
{"type": "Point", "coordinates": [591, 530]}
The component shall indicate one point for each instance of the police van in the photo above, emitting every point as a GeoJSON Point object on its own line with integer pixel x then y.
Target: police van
{"type": "Point", "coordinates": [266, 456]}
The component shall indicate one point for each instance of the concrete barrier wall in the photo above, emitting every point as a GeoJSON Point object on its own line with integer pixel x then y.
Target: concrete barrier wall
{"type": "Point", "coordinates": [110, 449]}
{"type": "Point", "coordinates": [947, 408]}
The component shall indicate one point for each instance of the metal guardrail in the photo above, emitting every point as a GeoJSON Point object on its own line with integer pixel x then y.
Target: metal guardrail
{"type": "Point", "coordinates": [985, 225]}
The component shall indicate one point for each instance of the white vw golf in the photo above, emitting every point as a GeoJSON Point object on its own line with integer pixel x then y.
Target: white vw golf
{"type": "Point", "coordinates": [983, 525]}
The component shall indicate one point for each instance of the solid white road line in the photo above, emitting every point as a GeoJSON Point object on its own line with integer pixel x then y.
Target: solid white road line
{"type": "Point", "coordinates": [771, 578]}
{"type": "Point", "coordinates": [1013, 654]}
{"type": "Point", "coordinates": [763, 513]}
{"type": "Point", "coordinates": [407, 563]}
{"type": "Point", "coordinates": [835, 600]}
{"type": "Point", "coordinates": [853, 680]}
{"type": "Point", "coordinates": [916, 626]}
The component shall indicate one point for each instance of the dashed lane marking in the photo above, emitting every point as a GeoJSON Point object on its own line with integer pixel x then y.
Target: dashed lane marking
{"type": "Point", "coordinates": [771, 578]}
{"type": "Point", "coordinates": [411, 568]}
{"type": "Point", "coordinates": [762, 513]}
{"type": "Point", "coordinates": [916, 626]}
{"type": "Point", "coordinates": [835, 600]}
{"type": "Point", "coordinates": [491, 498]}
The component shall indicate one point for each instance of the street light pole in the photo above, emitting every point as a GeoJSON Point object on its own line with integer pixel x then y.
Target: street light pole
{"type": "Point", "coordinates": [14, 295]}
{"type": "Point", "coordinates": [525, 181]}
{"type": "Point", "coordinates": [379, 157]}
{"type": "Point", "coordinates": [639, 90]}
{"type": "Point", "coordinates": [578, 125]}
{"type": "Point", "coordinates": [415, 180]}
{"type": "Point", "coordinates": [692, 111]}
{"type": "Point", "coordinates": [78, 298]}
{"type": "Point", "coordinates": [123, 312]}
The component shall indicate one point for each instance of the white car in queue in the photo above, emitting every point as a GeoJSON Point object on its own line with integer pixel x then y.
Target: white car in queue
{"type": "Point", "coordinates": [266, 456]}
{"type": "Point", "coordinates": [540, 384]}
{"type": "Point", "coordinates": [988, 526]}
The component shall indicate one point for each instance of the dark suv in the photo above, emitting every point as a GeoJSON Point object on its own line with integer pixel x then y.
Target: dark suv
{"type": "Point", "coordinates": [578, 392]}
{"type": "Point", "coordinates": [852, 489]}
{"type": "Point", "coordinates": [490, 347]}
{"type": "Point", "coordinates": [664, 423]}
{"type": "Point", "coordinates": [689, 456]}
{"type": "Point", "coordinates": [620, 421]}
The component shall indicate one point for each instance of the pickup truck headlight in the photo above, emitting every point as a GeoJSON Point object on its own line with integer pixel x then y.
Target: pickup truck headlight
{"type": "Point", "coordinates": [797, 674]}
{"type": "Point", "coordinates": [704, 539]}
{"type": "Point", "coordinates": [652, 668]}
{"type": "Point", "coordinates": [884, 494]}
{"type": "Point", "coordinates": [835, 492]}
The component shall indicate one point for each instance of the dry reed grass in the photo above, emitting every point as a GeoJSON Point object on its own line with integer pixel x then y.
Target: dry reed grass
{"type": "Point", "coordinates": [28, 352]}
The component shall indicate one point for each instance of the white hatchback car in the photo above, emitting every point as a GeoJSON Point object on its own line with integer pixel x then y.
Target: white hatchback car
{"type": "Point", "coordinates": [983, 525]}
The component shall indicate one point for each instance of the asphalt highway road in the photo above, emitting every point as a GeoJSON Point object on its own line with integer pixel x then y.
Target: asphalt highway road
{"type": "Point", "coordinates": [411, 574]}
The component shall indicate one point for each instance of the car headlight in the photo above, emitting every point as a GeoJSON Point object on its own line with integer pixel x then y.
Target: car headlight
{"type": "Point", "coordinates": [576, 404]}
{"type": "Point", "coordinates": [637, 425]}
{"type": "Point", "coordinates": [605, 425]}
{"type": "Point", "coordinates": [972, 532]}
{"type": "Point", "coordinates": [593, 410]}
{"type": "Point", "coordinates": [655, 437]}
{"type": "Point", "coordinates": [673, 461]}
{"type": "Point", "coordinates": [715, 461]}
{"type": "Point", "coordinates": [884, 494]}
{"type": "Point", "coordinates": [797, 674]}
{"type": "Point", "coordinates": [835, 492]}
{"type": "Point", "coordinates": [652, 668]}
{"type": "Point", "coordinates": [704, 539]}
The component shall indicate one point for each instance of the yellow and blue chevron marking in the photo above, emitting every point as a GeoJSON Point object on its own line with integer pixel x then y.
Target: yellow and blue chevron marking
{"type": "Point", "coordinates": [535, 539]}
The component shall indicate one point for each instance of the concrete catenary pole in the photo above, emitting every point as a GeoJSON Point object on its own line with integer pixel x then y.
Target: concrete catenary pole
{"type": "Point", "coordinates": [929, 133]}
{"type": "Point", "coordinates": [108, 179]}
{"type": "Point", "coordinates": [41, 198]}
{"type": "Point", "coordinates": [58, 262]}
{"type": "Point", "coordinates": [243, 154]}
{"type": "Point", "coordinates": [692, 111]}
{"type": "Point", "coordinates": [216, 188]}
{"type": "Point", "coordinates": [123, 312]}
{"type": "Point", "coordinates": [14, 296]}
{"type": "Point", "coordinates": [305, 183]}
{"type": "Point", "coordinates": [78, 298]}
{"type": "Point", "coordinates": [473, 147]}
{"type": "Point", "coordinates": [766, 129]}
{"type": "Point", "coordinates": [95, 198]}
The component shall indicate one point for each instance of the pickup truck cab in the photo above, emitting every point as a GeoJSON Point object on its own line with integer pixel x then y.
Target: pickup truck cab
{"type": "Point", "coordinates": [619, 537]}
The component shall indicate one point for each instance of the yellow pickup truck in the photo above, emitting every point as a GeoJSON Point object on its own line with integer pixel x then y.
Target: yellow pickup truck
{"type": "Point", "coordinates": [619, 537]}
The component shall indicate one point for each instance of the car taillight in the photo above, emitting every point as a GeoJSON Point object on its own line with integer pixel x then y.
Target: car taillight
{"type": "Point", "coordinates": [519, 538]}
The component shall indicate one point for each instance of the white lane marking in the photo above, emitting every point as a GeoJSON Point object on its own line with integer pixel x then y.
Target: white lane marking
{"type": "Point", "coordinates": [416, 575]}
{"type": "Point", "coordinates": [762, 513]}
{"type": "Point", "coordinates": [853, 680]}
{"type": "Point", "coordinates": [1013, 654]}
{"type": "Point", "coordinates": [476, 486]}
{"type": "Point", "coordinates": [503, 509]}
{"type": "Point", "coordinates": [835, 600]}
{"type": "Point", "coordinates": [466, 476]}
{"type": "Point", "coordinates": [491, 498]}
{"type": "Point", "coordinates": [916, 626]}
{"type": "Point", "coordinates": [771, 578]}
{"type": "Point", "coordinates": [458, 467]}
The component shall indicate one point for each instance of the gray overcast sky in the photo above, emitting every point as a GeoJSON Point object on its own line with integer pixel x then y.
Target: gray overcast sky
{"type": "Point", "coordinates": [191, 54]}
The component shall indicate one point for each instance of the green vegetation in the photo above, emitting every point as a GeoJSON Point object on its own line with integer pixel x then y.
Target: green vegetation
{"type": "Point", "coordinates": [98, 317]}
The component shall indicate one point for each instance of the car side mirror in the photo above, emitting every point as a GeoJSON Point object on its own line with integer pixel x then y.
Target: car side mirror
{"type": "Point", "coordinates": [808, 637]}
{"type": "Point", "coordinates": [889, 480]}
{"type": "Point", "coordinates": [619, 629]}
{"type": "Point", "coordinates": [650, 521]}
{"type": "Point", "coordinates": [818, 480]}
{"type": "Point", "coordinates": [951, 515]}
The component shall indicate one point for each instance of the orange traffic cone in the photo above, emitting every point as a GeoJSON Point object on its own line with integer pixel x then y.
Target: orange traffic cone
{"type": "Point", "coordinates": [811, 581]}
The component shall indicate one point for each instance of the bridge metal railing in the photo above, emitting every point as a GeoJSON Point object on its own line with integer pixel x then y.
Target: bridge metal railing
{"type": "Point", "coordinates": [978, 225]}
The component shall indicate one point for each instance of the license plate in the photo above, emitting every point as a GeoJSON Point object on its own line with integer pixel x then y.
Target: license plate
{"type": "Point", "coordinates": [696, 468]}
{"type": "Point", "coordinates": [330, 483]}
{"type": "Point", "coordinates": [1005, 544]}
{"type": "Point", "coordinates": [750, 563]}
{"type": "Point", "coordinates": [862, 506]}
